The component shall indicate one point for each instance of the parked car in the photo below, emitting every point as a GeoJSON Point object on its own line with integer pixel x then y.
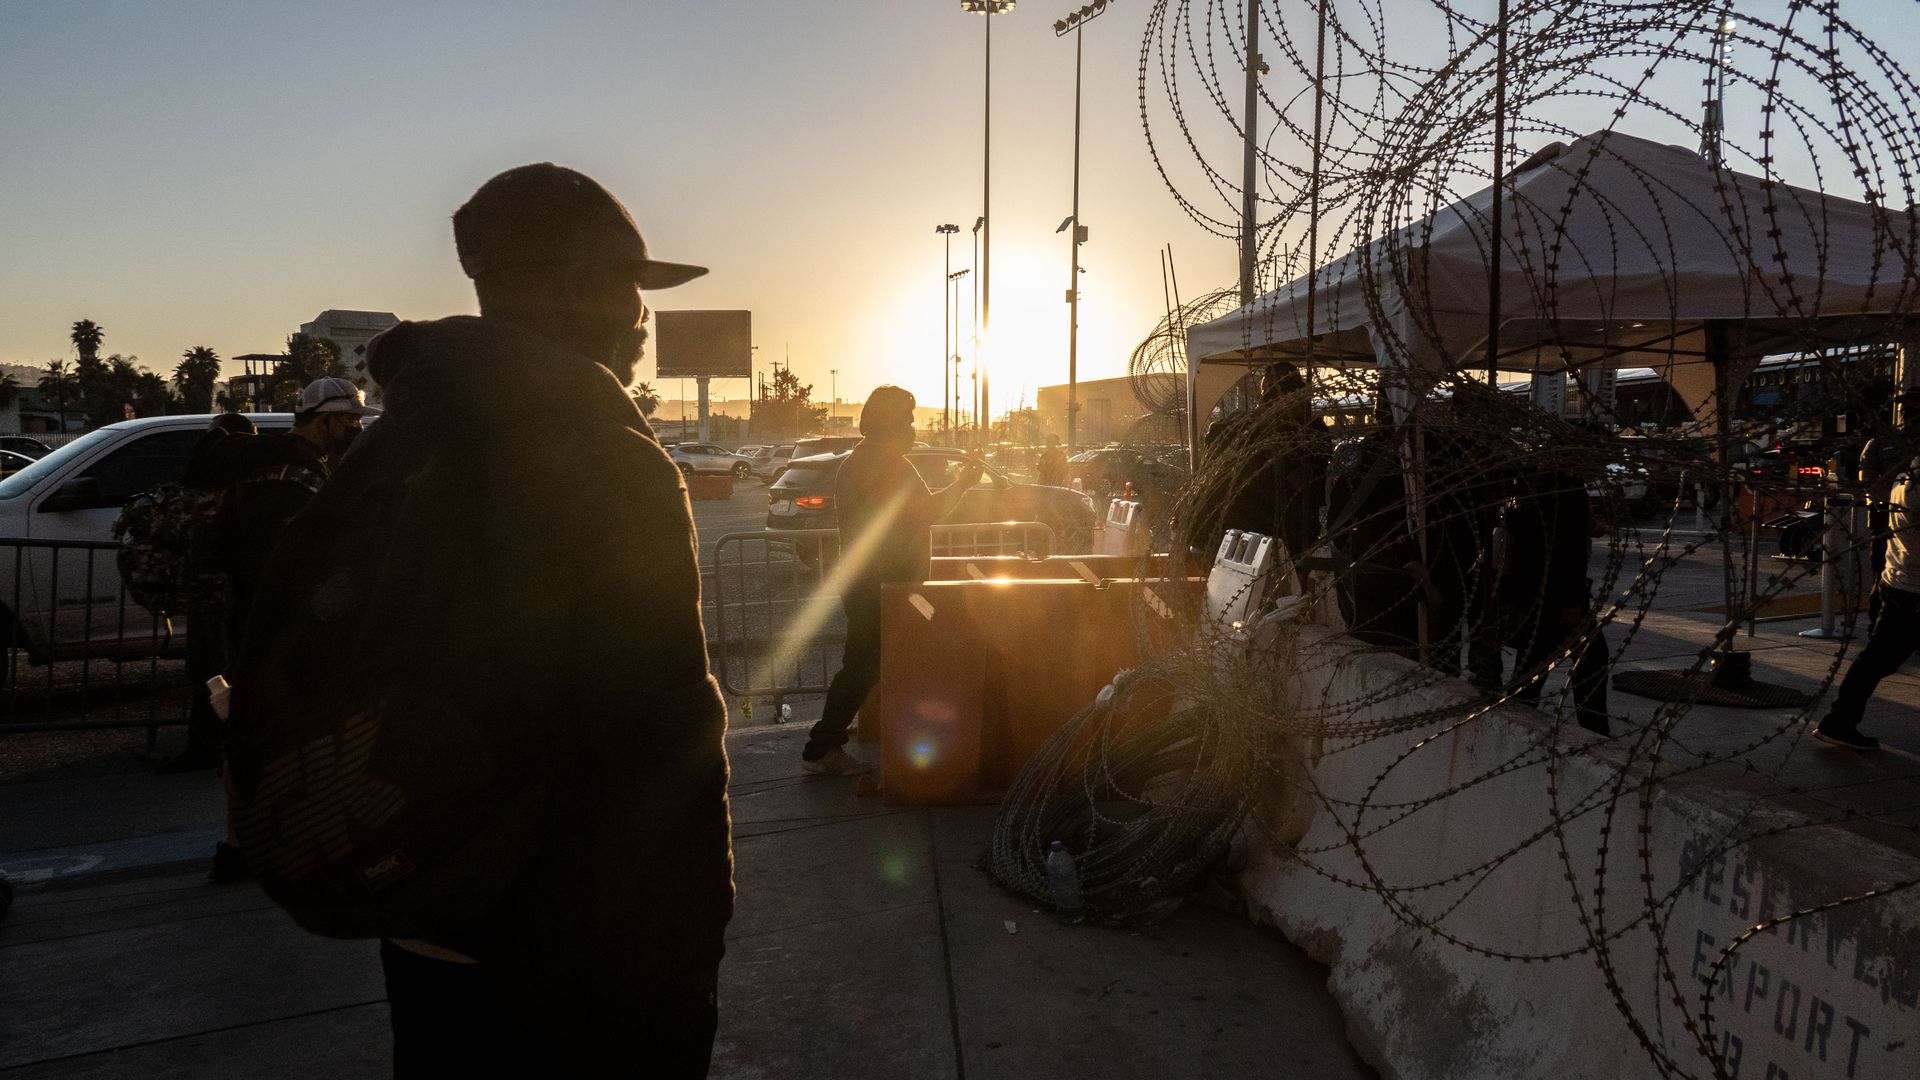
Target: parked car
{"type": "Point", "coordinates": [11, 462]}
{"type": "Point", "coordinates": [708, 458]}
{"type": "Point", "coordinates": [25, 446]}
{"type": "Point", "coordinates": [76, 493]}
{"type": "Point", "coordinates": [803, 498]}
{"type": "Point", "coordinates": [749, 450]}
{"type": "Point", "coordinates": [824, 444]}
{"type": "Point", "coordinates": [770, 461]}
{"type": "Point", "coordinates": [1107, 471]}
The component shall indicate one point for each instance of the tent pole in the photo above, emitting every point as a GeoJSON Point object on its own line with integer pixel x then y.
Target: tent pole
{"type": "Point", "coordinates": [1313, 209]}
{"type": "Point", "coordinates": [1480, 624]}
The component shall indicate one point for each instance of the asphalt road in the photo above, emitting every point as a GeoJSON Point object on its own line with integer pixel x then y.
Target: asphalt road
{"type": "Point", "coordinates": [714, 518]}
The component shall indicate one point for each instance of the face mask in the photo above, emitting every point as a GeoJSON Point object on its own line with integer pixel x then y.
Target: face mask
{"type": "Point", "coordinates": [345, 441]}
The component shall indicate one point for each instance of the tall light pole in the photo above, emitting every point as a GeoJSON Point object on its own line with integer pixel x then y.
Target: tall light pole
{"type": "Point", "coordinates": [946, 323]}
{"type": "Point", "coordinates": [1249, 234]}
{"type": "Point", "coordinates": [951, 386]}
{"type": "Point", "coordinates": [1075, 22]}
{"type": "Point", "coordinates": [989, 8]}
{"type": "Point", "coordinates": [978, 224]}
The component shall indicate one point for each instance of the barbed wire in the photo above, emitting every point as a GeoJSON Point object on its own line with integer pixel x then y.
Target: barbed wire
{"type": "Point", "coordinates": [1450, 519]}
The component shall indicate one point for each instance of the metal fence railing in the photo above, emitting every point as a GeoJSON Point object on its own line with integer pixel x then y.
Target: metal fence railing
{"type": "Point", "coordinates": [76, 652]}
{"type": "Point", "coordinates": [993, 538]}
{"type": "Point", "coordinates": [773, 599]}
{"type": "Point", "coordinates": [778, 627]}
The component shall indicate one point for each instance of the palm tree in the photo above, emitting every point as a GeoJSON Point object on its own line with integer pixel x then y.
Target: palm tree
{"type": "Point", "coordinates": [87, 336]}
{"type": "Point", "coordinates": [9, 391]}
{"type": "Point", "coordinates": [645, 397]}
{"type": "Point", "coordinates": [60, 386]}
{"type": "Point", "coordinates": [195, 376]}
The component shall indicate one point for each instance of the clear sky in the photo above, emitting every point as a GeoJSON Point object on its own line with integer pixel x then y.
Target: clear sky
{"type": "Point", "coordinates": [214, 173]}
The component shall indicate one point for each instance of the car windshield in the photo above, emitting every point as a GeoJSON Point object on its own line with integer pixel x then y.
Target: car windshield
{"type": "Point", "coordinates": [26, 479]}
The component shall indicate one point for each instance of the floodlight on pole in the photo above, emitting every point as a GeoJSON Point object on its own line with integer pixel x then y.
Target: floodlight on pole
{"type": "Point", "coordinates": [989, 8]}
{"type": "Point", "coordinates": [1073, 23]}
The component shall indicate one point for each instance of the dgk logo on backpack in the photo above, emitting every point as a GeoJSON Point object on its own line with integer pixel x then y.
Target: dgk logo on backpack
{"type": "Point", "coordinates": [162, 535]}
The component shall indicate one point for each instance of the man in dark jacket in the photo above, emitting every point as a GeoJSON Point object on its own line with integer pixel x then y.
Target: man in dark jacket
{"type": "Point", "coordinates": [274, 475]}
{"type": "Point", "coordinates": [545, 625]}
{"type": "Point", "coordinates": [886, 518]}
{"type": "Point", "coordinates": [1282, 487]}
{"type": "Point", "coordinates": [1544, 591]}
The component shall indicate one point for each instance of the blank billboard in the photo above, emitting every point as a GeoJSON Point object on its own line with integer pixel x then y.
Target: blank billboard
{"type": "Point", "coordinates": [716, 344]}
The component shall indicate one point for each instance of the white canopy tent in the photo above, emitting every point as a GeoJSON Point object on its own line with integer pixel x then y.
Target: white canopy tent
{"type": "Point", "coordinates": [1618, 252]}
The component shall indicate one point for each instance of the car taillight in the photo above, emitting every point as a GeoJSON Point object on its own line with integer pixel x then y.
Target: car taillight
{"type": "Point", "coordinates": [1812, 470]}
{"type": "Point", "coordinates": [813, 502]}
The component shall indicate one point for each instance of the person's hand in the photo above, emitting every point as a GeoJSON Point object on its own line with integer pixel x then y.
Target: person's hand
{"type": "Point", "coordinates": [970, 472]}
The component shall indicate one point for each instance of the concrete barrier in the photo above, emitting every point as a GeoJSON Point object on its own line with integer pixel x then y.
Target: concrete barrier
{"type": "Point", "coordinates": [1508, 895]}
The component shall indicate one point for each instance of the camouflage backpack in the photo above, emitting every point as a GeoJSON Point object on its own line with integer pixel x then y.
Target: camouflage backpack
{"type": "Point", "coordinates": [164, 535]}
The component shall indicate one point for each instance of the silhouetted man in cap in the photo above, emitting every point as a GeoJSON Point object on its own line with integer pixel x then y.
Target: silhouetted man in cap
{"type": "Point", "coordinates": [578, 650]}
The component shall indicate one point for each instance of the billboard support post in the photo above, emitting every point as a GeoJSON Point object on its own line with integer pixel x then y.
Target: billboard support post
{"type": "Point", "coordinates": [706, 428]}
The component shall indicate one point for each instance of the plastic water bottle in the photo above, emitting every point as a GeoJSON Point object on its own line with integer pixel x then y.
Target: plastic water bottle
{"type": "Point", "coordinates": [1063, 882]}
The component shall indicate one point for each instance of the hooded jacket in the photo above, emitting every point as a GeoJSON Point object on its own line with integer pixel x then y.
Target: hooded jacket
{"type": "Point", "coordinates": [576, 625]}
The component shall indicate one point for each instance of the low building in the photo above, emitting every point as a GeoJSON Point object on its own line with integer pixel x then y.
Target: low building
{"type": "Point", "coordinates": [1109, 410]}
{"type": "Point", "coordinates": [351, 330]}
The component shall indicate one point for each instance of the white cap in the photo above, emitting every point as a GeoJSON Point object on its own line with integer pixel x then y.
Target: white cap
{"type": "Point", "coordinates": [333, 395]}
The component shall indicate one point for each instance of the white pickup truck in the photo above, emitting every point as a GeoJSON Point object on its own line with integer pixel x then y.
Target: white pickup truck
{"type": "Point", "coordinates": [66, 602]}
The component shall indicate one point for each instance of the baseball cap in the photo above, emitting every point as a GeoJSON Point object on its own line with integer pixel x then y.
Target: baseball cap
{"type": "Point", "coordinates": [549, 215]}
{"type": "Point", "coordinates": [333, 395]}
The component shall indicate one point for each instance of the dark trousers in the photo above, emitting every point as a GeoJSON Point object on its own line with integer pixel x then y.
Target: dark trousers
{"type": "Point", "coordinates": [1589, 669]}
{"type": "Point", "coordinates": [1895, 636]}
{"type": "Point", "coordinates": [206, 657]}
{"type": "Point", "coordinates": [859, 671]}
{"type": "Point", "coordinates": [467, 1020]}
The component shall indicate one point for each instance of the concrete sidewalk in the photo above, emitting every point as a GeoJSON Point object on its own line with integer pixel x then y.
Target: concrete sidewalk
{"type": "Point", "coordinates": [866, 944]}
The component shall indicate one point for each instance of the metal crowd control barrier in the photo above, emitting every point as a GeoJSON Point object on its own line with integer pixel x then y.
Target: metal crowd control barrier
{"type": "Point", "coordinates": [778, 628]}
{"type": "Point", "coordinates": [79, 653]}
{"type": "Point", "coordinates": [993, 538]}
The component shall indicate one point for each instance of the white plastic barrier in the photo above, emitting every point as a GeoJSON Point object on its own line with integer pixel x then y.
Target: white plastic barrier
{"type": "Point", "coordinates": [1238, 583]}
{"type": "Point", "coordinates": [1413, 900]}
{"type": "Point", "coordinates": [1125, 531]}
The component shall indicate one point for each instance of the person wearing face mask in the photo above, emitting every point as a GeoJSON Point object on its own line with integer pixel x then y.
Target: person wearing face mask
{"type": "Point", "coordinates": [329, 417]}
{"type": "Point", "coordinates": [886, 517]}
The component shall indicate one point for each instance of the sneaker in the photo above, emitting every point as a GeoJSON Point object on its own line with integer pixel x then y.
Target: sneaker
{"type": "Point", "coordinates": [836, 762]}
{"type": "Point", "coordinates": [229, 864]}
{"type": "Point", "coordinates": [1835, 735]}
